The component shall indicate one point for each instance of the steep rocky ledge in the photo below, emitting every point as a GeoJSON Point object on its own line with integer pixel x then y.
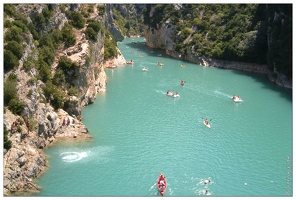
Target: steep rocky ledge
{"type": "Point", "coordinates": [25, 160]}
{"type": "Point", "coordinates": [161, 38]}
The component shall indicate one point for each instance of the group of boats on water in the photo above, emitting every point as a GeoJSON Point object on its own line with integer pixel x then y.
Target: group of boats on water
{"type": "Point", "coordinates": [205, 122]}
{"type": "Point", "coordinates": [176, 94]}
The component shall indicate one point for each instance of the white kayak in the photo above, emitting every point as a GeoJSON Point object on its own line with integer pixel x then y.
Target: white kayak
{"type": "Point", "coordinates": [207, 125]}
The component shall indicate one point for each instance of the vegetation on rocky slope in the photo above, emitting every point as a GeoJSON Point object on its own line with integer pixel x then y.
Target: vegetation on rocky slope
{"type": "Point", "coordinates": [254, 33]}
{"type": "Point", "coordinates": [32, 40]}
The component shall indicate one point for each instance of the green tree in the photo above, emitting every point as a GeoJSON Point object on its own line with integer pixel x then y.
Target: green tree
{"type": "Point", "coordinates": [15, 48]}
{"type": "Point", "coordinates": [46, 40]}
{"type": "Point", "coordinates": [68, 35]}
{"type": "Point", "coordinates": [101, 9]}
{"type": "Point", "coordinates": [56, 37]}
{"type": "Point", "coordinates": [14, 33]}
{"type": "Point", "coordinates": [44, 71]}
{"type": "Point", "coordinates": [90, 34]}
{"type": "Point", "coordinates": [10, 60]}
{"type": "Point", "coordinates": [9, 9]}
{"type": "Point", "coordinates": [39, 21]}
{"type": "Point", "coordinates": [16, 106]}
{"type": "Point", "coordinates": [21, 25]}
{"type": "Point", "coordinates": [46, 54]}
{"type": "Point", "coordinates": [77, 20]}
{"type": "Point", "coordinates": [33, 31]}
{"type": "Point", "coordinates": [110, 45]}
{"type": "Point", "coordinates": [95, 25]}
{"type": "Point", "coordinates": [59, 78]}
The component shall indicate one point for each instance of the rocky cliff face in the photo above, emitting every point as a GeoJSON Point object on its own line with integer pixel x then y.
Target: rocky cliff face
{"type": "Point", "coordinates": [162, 38]}
{"type": "Point", "coordinates": [25, 160]}
{"type": "Point", "coordinates": [111, 26]}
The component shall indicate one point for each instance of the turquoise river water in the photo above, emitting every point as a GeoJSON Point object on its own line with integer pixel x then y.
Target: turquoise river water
{"type": "Point", "coordinates": [139, 132]}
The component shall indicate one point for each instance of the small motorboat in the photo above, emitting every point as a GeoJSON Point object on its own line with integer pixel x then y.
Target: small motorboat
{"type": "Point", "coordinates": [161, 184]}
{"type": "Point", "coordinates": [182, 65]}
{"type": "Point", "coordinates": [160, 64]}
{"type": "Point", "coordinates": [207, 124]}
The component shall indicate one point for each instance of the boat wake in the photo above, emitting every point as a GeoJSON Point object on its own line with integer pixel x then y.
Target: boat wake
{"type": "Point", "coordinates": [98, 153]}
{"type": "Point", "coordinates": [149, 63]}
{"type": "Point", "coordinates": [160, 91]}
{"type": "Point", "coordinates": [73, 156]}
{"type": "Point", "coordinates": [203, 187]}
{"type": "Point", "coordinates": [222, 94]}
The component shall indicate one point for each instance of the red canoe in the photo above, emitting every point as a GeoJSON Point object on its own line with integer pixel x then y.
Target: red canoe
{"type": "Point", "coordinates": [161, 184]}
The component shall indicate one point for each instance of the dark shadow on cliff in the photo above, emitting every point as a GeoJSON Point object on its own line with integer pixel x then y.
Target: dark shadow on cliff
{"type": "Point", "coordinates": [267, 84]}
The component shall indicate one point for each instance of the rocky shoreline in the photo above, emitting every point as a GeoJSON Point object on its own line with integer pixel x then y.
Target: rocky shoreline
{"type": "Point", "coordinates": [275, 77]}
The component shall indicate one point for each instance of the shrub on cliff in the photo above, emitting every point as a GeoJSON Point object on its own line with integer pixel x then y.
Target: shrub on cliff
{"type": "Point", "coordinates": [10, 89]}
{"type": "Point", "coordinates": [90, 34]}
{"type": "Point", "coordinates": [66, 64]}
{"type": "Point", "coordinates": [54, 94]}
{"type": "Point", "coordinates": [28, 64]}
{"type": "Point", "coordinates": [46, 40]}
{"type": "Point", "coordinates": [46, 54]}
{"type": "Point", "coordinates": [101, 9]}
{"type": "Point", "coordinates": [68, 35]}
{"type": "Point", "coordinates": [109, 46]}
{"type": "Point", "coordinates": [92, 29]}
{"type": "Point", "coordinates": [14, 33]}
{"type": "Point", "coordinates": [39, 21]}
{"type": "Point", "coordinates": [16, 106]}
{"type": "Point", "coordinates": [9, 9]}
{"type": "Point", "coordinates": [77, 19]}
{"type": "Point", "coordinates": [44, 71]}
{"type": "Point", "coordinates": [10, 60]}
{"type": "Point", "coordinates": [59, 78]}
{"type": "Point", "coordinates": [7, 142]}
{"type": "Point", "coordinates": [15, 48]}
{"type": "Point", "coordinates": [95, 25]}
